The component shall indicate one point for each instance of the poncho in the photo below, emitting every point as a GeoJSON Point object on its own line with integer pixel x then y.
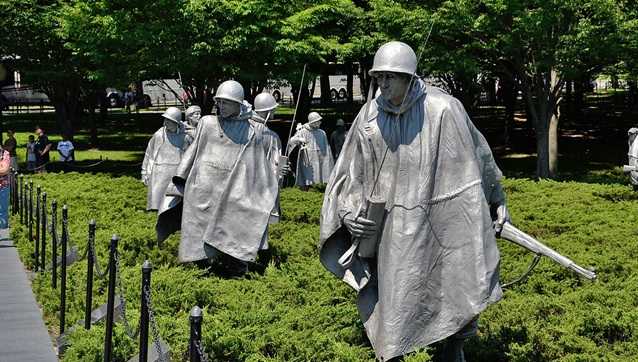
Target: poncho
{"type": "Point", "coordinates": [437, 260]}
{"type": "Point", "coordinates": [315, 161]}
{"type": "Point", "coordinates": [163, 154]}
{"type": "Point", "coordinates": [229, 190]}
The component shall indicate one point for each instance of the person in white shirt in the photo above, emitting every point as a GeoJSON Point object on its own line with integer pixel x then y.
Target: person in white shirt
{"type": "Point", "coordinates": [65, 148]}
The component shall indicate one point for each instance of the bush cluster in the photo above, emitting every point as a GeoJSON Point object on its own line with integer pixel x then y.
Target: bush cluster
{"type": "Point", "coordinates": [291, 309]}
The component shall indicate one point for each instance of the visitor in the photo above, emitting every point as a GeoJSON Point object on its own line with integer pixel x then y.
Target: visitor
{"type": "Point", "coordinates": [66, 150]}
{"type": "Point", "coordinates": [31, 157]}
{"type": "Point", "coordinates": [10, 146]}
{"type": "Point", "coordinates": [42, 148]}
{"type": "Point", "coordinates": [5, 168]}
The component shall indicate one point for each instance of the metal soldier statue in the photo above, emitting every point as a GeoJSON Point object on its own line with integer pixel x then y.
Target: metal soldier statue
{"type": "Point", "coordinates": [406, 216]}
{"type": "Point", "coordinates": [315, 161]}
{"type": "Point", "coordinates": [163, 154]}
{"type": "Point", "coordinates": [227, 183]}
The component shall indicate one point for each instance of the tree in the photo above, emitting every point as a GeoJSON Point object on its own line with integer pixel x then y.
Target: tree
{"type": "Point", "coordinates": [544, 43]}
{"type": "Point", "coordinates": [32, 41]}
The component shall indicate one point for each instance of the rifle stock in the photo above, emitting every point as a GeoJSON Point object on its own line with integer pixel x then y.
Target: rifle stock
{"type": "Point", "coordinates": [513, 234]}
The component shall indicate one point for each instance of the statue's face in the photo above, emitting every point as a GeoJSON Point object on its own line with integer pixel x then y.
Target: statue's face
{"type": "Point", "coordinates": [266, 115]}
{"type": "Point", "coordinates": [170, 125]}
{"type": "Point", "coordinates": [392, 86]}
{"type": "Point", "coordinates": [193, 118]}
{"type": "Point", "coordinates": [228, 109]}
{"type": "Point", "coordinates": [315, 125]}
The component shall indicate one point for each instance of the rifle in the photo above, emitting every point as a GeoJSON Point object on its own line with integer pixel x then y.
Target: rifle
{"type": "Point", "coordinates": [513, 234]}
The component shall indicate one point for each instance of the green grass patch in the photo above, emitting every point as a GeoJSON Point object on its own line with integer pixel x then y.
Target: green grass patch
{"type": "Point", "coordinates": [296, 311]}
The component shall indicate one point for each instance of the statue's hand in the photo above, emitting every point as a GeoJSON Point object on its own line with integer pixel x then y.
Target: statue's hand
{"type": "Point", "coordinates": [502, 216]}
{"type": "Point", "coordinates": [145, 180]}
{"type": "Point", "coordinates": [359, 226]}
{"type": "Point", "coordinates": [284, 169]}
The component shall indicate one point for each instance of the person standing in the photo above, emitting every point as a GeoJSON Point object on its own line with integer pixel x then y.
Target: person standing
{"type": "Point", "coordinates": [10, 145]}
{"type": "Point", "coordinates": [66, 150]}
{"type": "Point", "coordinates": [42, 148]}
{"type": "Point", "coordinates": [31, 154]}
{"type": "Point", "coordinates": [5, 182]}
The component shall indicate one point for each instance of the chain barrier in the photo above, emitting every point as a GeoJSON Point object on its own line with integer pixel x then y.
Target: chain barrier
{"type": "Point", "coordinates": [132, 333]}
{"type": "Point", "coordinates": [200, 351]}
{"type": "Point", "coordinates": [153, 323]}
{"type": "Point", "coordinates": [96, 266]}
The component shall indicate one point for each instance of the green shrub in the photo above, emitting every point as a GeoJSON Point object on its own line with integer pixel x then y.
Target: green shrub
{"type": "Point", "coordinates": [296, 311]}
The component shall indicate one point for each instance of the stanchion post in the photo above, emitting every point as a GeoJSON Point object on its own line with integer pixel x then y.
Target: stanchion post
{"type": "Point", "coordinates": [54, 244]}
{"type": "Point", "coordinates": [108, 335]}
{"type": "Point", "coordinates": [21, 197]}
{"type": "Point", "coordinates": [65, 215]}
{"type": "Point", "coordinates": [38, 195]}
{"type": "Point", "coordinates": [147, 268]}
{"type": "Point", "coordinates": [43, 233]}
{"type": "Point", "coordinates": [89, 276]}
{"type": "Point", "coordinates": [195, 339]}
{"type": "Point", "coordinates": [30, 218]}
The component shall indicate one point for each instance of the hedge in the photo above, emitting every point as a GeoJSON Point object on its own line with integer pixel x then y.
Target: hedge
{"type": "Point", "coordinates": [293, 310]}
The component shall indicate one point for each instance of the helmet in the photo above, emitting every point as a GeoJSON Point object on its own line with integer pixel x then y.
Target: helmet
{"type": "Point", "coordinates": [314, 117]}
{"type": "Point", "coordinates": [265, 102]}
{"type": "Point", "coordinates": [230, 90]}
{"type": "Point", "coordinates": [394, 56]}
{"type": "Point", "coordinates": [173, 114]}
{"type": "Point", "coordinates": [340, 123]}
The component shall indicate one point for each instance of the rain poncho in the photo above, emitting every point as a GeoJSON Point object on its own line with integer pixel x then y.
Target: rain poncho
{"type": "Point", "coordinates": [273, 143]}
{"type": "Point", "coordinates": [315, 161]}
{"type": "Point", "coordinates": [229, 189]}
{"type": "Point", "coordinates": [163, 154]}
{"type": "Point", "coordinates": [437, 260]}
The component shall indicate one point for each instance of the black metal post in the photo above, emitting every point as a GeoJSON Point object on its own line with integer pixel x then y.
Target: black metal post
{"type": "Point", "coordinates": [89, 276]}
{"type": "Point", "coordinates": [21, 197]}
{"type": "Point", "coordinates": [147, 268]}
{"type": "Point", "coordinates": [65, 215]}
{"type": "Point", "coordinates": [196, 318]}
{"type": "Point", "coordinates": [54, 244]}
{"type": "Point", "coordinates": [30, 217]}
{"type": "Point", "coordinates": [31, 239]}
{"type": "Point", "coordinates": [37, 226]}
{"type": "Point", "coordinates": [43, 233]}
{"type": "Point", "coordinates": [23, 207]}
{"type": "Point", "coordinates": [108, 335]}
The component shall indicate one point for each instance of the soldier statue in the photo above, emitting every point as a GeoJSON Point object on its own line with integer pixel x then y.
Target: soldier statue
{"type": "Point", "coordinates": [315, 161]}
{"type": "Point", "coordinates": [406, 216]}
{"type": "Point", "coordinates": [163, 154]}
{"type": "Point", "coordinates": [228, 185]}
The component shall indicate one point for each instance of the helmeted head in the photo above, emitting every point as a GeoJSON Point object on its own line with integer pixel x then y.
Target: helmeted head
{"type": "Point", "coordinates": [340, 123]}
{"type": "Point", "coordinates": [193, 114]}
{"type": "Point", "coordinates": [229, 97]}
{"type": "Point", "coordinates": [172, 119]}
{"type": "Point", "coordinates": [314, 120]}
{"type": "Point", "coordinates": [265, 103]}
{"type": "Point", "coordinates": [632, 133]}
{"type": "Point", "coordinates": [394, 65]}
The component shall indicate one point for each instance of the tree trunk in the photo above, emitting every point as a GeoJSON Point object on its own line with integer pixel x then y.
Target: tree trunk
{"type": "Point", "coordinates": [324, 84]}
{"type": "Point", "coordinates": [349, 83]}
{"type": "Point", "coordinates": [545, 112]}
{"type": "Point", "coordinates": [508, 95]}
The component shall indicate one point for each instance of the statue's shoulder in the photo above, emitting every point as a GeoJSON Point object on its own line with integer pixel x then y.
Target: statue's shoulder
{"type": "Point", "coordinates": [438, 100]}
{"type": "Point", "coordinates": [209, 121]}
